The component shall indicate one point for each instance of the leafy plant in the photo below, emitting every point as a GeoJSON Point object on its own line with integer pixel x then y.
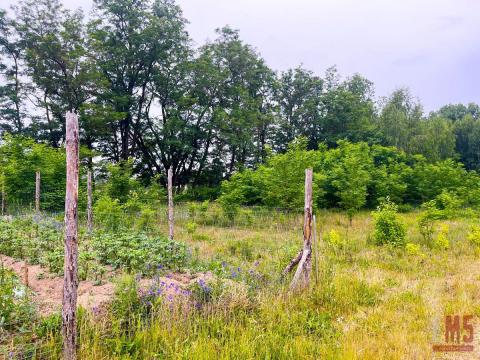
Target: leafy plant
{"type": "Point", "coordinates": [441, 241]}
{"type": "Point", "coordinates": [191, 227]}
{"type": "Point", "coordinates": [139, 252]}
{"type": "Point", "coordinates": [474, 236]}
{"type": "Point", "coordinates": [413, 249]}
{"type": "Point", "coordinates": [109, 213]}
{"type": "Point", "coordinates": [334, 239]}
{"type": "Point", "coordinates": [388, 228]}
{"type": "Point", "coordinates": [16, 309]}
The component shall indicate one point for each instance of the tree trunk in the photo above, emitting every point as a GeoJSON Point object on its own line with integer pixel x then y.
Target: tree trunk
{"type": "Point", "coordinates": [89, 202]}
{"type": "Point", "coordinates": [37, 191]}
{"type": "Point", "coordinates": [70, 279]}
{"type": "Point", "coordinates": [170, 203]}
{"type": "Point", "coordinates": [301, 279]}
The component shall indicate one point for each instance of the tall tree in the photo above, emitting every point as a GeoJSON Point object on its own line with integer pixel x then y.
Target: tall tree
{"type": "Point", "coordinates": [299, 95]}
{"type": "Point", "coordinates": [12, 109]}
{"type": "Point", "coordinates": [53, 44]}
{"type": "Point", "coordinates": [399, 119]}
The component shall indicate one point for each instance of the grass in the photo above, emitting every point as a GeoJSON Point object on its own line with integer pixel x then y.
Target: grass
{"type": "Point", "coordinates": [368, 302]}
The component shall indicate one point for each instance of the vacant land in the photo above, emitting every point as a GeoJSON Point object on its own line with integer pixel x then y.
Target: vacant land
{"type": "Point", "coordinates": [222, 296]}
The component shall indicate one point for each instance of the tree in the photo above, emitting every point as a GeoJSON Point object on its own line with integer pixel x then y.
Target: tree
{"type": "Point", "coordinates": [53, 45]}
{"type": "Point", "coordinates": [298, 93]}
{"type": "Point", "coordinates": [467, 139]}
{"type": "Point", "coordinates": [435, 139]}
{"type": "Point", "coordinates": [350, 176]}
{"type": "Point", "coordinates": [349, 111]}
{"type": "Point", "coordinates": [12, 108]}
{"type": "Point", "coordinates": [399, 119]}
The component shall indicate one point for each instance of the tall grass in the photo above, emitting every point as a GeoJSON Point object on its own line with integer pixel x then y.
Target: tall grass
{"type": "Point", "coordinates": [370, 302]}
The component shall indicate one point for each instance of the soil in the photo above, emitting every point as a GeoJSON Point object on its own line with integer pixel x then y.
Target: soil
{"type": "Point", "coordinates": [48, 289]}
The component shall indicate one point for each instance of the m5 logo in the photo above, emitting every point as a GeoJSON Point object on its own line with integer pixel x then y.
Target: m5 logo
{"type": "Point", "coordinates": [459, 334]}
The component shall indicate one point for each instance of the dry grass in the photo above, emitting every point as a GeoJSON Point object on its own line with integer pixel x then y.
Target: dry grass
{"type": "Point", "coordinates": [370, 302]}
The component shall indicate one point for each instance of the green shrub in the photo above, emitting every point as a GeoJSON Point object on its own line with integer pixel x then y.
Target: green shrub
{"type": "Point", "coordinates": [441, 241]}
{"type": "Point", "coordinates": [388, 228]}
{"type": "Point", "coordinates": [139, 252]}
{"type": "Point", "coordinates": [191, 227]}
{"type": "Point", "coordinates": [16, 309]}
{"type": "Point", "coordinates": [413, 249]}
{"type": "Point", "coordinates": [109, 213]}
{"type": "Point", "coordinates": [474, 236]}
{"type": "Point", "coordinates": [146, 219]}
{"type": "Point", "coordinates": [334, 239]}
{"type": "Point", "coordinates": [427, 220]}
{"type": "Point", "coordinates": [449, 203]}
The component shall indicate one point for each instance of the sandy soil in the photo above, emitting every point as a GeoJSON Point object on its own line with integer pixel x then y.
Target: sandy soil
{"type": "Point", "coordinates": [48, 289]}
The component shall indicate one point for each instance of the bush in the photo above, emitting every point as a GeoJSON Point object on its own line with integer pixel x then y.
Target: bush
{"type": "Point", "coordinates": [334, 239]}
{"type": "Point", "coordinates": [413, 249]}
{"type": "Point", "coordinates": [441, 241]}
{"type": "Point", "coordinates": [109, 213]}
{"type": "Point", "coordinates": [147, 219]}
{"type": "Point", "coordinates": [388, 228]}
{"type": "Point", "coordinates": [474, 236]}
{"type": "Point", "coordinates": [138, 252]}
{"type": "Point", "coordinates": [449, 203]}
{"type": "Point", "coordinates": [15, 306]}
{"type": "Point", "coordinates": [427, 220]}
{"type": "Point", "coordinates": [191, 227]}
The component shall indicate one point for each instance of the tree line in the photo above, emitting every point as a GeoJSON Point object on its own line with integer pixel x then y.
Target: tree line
{"type": "Point", "coordinates": [144, 92]}
{"type": "Point", "coordinates": [352, 176]}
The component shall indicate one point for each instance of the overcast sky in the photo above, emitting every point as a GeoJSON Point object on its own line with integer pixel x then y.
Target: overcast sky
{"type": "Point", "coordinates": [430, 46]}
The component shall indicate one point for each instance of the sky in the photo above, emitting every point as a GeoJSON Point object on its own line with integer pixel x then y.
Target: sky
{"type": "Point", "coordinates": [429, 46]}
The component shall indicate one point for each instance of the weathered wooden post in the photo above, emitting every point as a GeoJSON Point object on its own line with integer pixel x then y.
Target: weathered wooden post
{"type": "Point", "coordinates": [304, 257]}
{"type": "Point", "coordinates": [315, 246]}
{"type": "Point", "coordinates": [170, 203]}
{"type": "Point", "coordinates": [3, 194]}
{"type": "Point", "coordinates": [25, 274]}
{"type": "Point", "coordinates": [37, 191]}
{"type": "Point", "coordinates": [89, 202]}
{"type": "Point", "coordinates": [70, 279]}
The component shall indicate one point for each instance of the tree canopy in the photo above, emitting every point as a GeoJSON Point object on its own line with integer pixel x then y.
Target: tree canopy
{"type": "Point", "coordinates": [144, 92]}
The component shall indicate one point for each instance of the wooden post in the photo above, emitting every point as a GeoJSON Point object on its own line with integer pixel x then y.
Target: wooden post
{"type": "Point", "coordinates": [315, 244]}
{"type": "Point", "coordinates": [70, 279]}
{"type": "Point", "coordinates": [301, 278]}
{"type": "Point", "coordinates": [3, 194]}
{"type": "Point", "coordinates": [89, 202]}
{"type": "Point", "coordinates": [170, 203]}
{"type": "Point", "coordinates": [25, 273]}
{"type": "Point", "coordinates": [37, 191]}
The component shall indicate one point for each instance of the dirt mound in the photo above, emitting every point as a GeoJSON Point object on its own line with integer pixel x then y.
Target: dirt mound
{"type": "Point", "coordinates": [48, 289]}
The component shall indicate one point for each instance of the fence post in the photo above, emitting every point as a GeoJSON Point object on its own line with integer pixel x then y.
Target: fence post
{"type": "Point", "coordinates": [304, 258]}
{"type": "Point", "coordinates": [3, 194]}
{"type": "Point", "coordinates": [70, 279]}
{"type": "Point", "coordinates": [170, 203]}
{"type": "Point", "coordinates": [89, 202]}
{"type": "Point", "coordinates": [315, 244]}
{"type": "Point", "coordinates": [37, 191]}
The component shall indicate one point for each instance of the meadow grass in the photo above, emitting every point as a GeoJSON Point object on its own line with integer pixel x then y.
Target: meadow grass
{"type": "Point", "coordinates": [365, 302]}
